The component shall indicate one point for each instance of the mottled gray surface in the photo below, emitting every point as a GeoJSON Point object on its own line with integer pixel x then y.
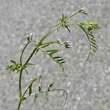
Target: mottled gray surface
{"type": "Point", "coordinates": [88, 85]}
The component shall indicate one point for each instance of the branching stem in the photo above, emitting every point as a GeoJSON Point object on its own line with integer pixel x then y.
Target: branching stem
{"type": "Point", "coordinates": [23, 66]}
{"type": "Point", "coordinates": [36, 49]}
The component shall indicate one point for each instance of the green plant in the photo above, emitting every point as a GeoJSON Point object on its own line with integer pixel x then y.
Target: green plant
{"type": "Point", "coordinates": [87, 27]}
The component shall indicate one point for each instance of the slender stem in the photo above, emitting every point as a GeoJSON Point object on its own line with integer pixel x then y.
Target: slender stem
{"type": "Point", "coordinates": [23, 52]}
{"type": "Point", "coordinates": [50, 42]}
{"type": "Point", "coordinates": [70, 23]}
{"type": "Point", "coordinates": [72, 15]}
{"type": "Point", "coordinates": [55, 28]}
{"type": "Point", "coordinates": [20, 75]}
{"type": "Point", "coordinates": [19, 104]}
{"type": "Point", "coordinates": [30, 57]}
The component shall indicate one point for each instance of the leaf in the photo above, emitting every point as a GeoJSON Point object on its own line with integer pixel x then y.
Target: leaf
{"type": "Point", "coordinates": [22, 99]}
{"type": "Point", "coordinates": [26, 71]}
{"type": "Point", "coordinates": [50, 52]}
{"type": "Point", "coordinates": [68, 28]}
{"type": "Point", "coordinates": [88, 27]}
{"type": "Point", "coordinates": [40, 83]}
{"type": "Point", "coordinates": [36, 51]}
{"type": "Point", "coordinates": [94, 50]}
{"type": "Point", "coordinates": [50, 86]}
{"type": "Point", "coordinates": [35, 97]}
{"type": "Point", "coordinates": [17, 67]}
{"type": "Point", "coordinates": [47, 44]}
{"type": "Point", "coordinates": [8, 67]}
{"type": "Point", "coordinates": [93, 39]}
{"type": "Point", "coordinates": [95, 47]}
{"type": "Point", "coordinates": [29, 64]}
{"type": "Point", "coordinates": [30, 89]}
{"type": "Point", "coordinates": [40, 77]}
{"type": "Point", "coordinates": [62, 62]}
{"type": "Point", "coordinates": [64, 22]}
{"type": "Point", "coordinates": [93, 42]}
{"type": "Point", "coordinates": [13, 61]}
{"type": "Point", "coordinates": [40, 88]}
{"type": "Point", "coordinates": [14, 67]}
{"type": "Point", "coordinates": [53, 51]}
{"type": "Point", "coordinates": [58, 59]}
{"type": "Point", "coordinates": [63, 18]}
{"type": "Point", "coordinates": [46, 95]}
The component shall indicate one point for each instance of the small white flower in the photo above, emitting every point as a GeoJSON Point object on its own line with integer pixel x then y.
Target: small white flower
{"type": "Point", "coordinates": [83, 10]}
{"type": "Point", "coordinates": [59, 41]}
{"type": "Point", "coordinates": [29, 37]}
{"type": "Point", "coordinates": [30, 34]}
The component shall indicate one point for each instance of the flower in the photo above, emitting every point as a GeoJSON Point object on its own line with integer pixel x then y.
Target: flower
{"type": "Point", "coordinates": [68, 44]}
{"type": "Point", "coordinates": [83, 10]}
{"type": "Point", "coordinates": [59, 41]}
{"type": "Point", "coordinates": [29, 37]}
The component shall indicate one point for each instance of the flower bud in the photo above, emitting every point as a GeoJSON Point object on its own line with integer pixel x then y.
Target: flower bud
{"type": "Point", "coordinates": [83, 10]}
{"type": "Point", "coordinates": [68, 44]}
{"type": "Point", "coordinates": [29, 37]}
{"type": "Point", "coordinates": [59, 41]}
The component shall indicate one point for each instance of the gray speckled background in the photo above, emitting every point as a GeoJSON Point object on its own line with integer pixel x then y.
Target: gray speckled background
{"type": "Point", "coordinates": [88, 85]}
